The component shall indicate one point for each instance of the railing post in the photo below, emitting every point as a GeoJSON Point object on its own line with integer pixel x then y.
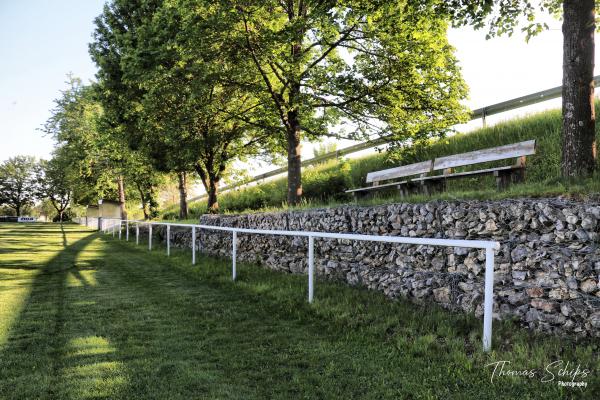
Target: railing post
{"type": "Point", "coordinates": [137, 233]}
{"type": "Point", "coordinates": [99, 223]}
{"type": "Point", "coordinates": [149, 236]}
{"type": "Point", "coordinates": [168, 240]}
{"type": "Point", "coordinates": [113, 228]}
{"type": "Point", "coordinates": [234, 255]}
{"type": "Point", "coordinates": [311, 268]}
{"type": "Point", "coordinates": [488, 305]}
{"type": "Point", "coordinates": [127, 230]}
{"type": "Point", "coordinates": [193, 245]}
{"type": "Point", "coordinates": [120, 228]}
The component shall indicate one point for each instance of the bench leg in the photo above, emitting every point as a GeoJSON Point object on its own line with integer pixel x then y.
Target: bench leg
{"type": "Point", "coordinates": [503, 179]}
{"type": "Point", "coordinates": [407, 189]}
{"type": "Point", "coordinates": [403, 190]}
{"type": "Point", "coordinates": [519, 175]}
{"type": "Point", "coordinates": [434, 186]}
{"type": "Point", "coordinates": [360, 195]}
{"type": "Point", "coordinates": [412, 188]}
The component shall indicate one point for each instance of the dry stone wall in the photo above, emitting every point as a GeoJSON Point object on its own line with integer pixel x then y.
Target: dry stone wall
{"type": "Point", "coordinates": [546, 273]}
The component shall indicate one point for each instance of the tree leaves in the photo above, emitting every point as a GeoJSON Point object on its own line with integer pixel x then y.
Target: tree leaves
{"type": "Point", "coordinates": [19, 182]}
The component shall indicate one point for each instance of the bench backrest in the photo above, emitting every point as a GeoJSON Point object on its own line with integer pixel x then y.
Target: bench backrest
{"type": "Point", "coordinates": [493, 154]}
{"type": "Point", "coordinates": [399, 172]}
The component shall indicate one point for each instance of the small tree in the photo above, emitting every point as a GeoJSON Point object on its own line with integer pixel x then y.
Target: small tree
{"type": "Point", "coordinates": [56, 182]}
{"type": "Point", "coordinates": [19, 182]}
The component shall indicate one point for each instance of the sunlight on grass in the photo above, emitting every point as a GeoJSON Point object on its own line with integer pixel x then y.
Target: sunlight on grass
{"type": "Point", "coordinates": [81, 278]}
{"type": "Point", "coordinates": [94, 372]}
{"type": "Point", "coordinates": [13, 294]}
{"type": "Point", "coordinates": [84, 303]}
{"type": "Point", "coordinates": [101, 379]}
{"type": "Point", "coordinates": [90, 345]}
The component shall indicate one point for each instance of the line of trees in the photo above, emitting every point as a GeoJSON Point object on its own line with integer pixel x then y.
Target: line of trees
{"type": "Point", "coordinates": [190, 87]}
{"type": "Point", "coordinates": [24, 180]}
{"type": "Point", "coordinates": [198, 85]}
{"type": "Point", "coordinates": [93, 152]}
{"type": "Point", "coordinates": [19, 178]}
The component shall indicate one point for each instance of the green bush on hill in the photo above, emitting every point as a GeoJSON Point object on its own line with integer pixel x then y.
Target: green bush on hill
{"type": "Point", "coordinates": [325, 183]}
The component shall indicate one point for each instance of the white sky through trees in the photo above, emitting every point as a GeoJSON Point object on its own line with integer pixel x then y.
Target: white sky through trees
{"type": "Point", "coordinates": [41, 41]}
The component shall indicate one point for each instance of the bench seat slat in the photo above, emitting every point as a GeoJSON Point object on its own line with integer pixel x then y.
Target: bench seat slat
{"type": "Point", "coordinates": [493, 154]}
{"type": "Point", "coordinates": [400, 172]}
{"type": "Point", "coordinates": [364, 189]}
{"type": "Point", "coordinates": [467, 173]}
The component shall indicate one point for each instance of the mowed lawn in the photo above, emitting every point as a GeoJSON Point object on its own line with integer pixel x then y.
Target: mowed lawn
{"type": "Point", "coordinates": [85, 316]}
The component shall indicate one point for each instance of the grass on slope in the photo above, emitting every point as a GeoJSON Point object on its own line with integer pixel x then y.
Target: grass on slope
{"type": "Point", "coordinates": [84, 316]}
{"type": "Point", "coordinates": [325, 184]}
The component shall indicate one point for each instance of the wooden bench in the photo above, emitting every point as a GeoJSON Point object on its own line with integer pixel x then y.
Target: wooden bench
{"type": "Point", "coordinates": [504, 175]}
{"type": "Point", "coordinates": [375, 178]}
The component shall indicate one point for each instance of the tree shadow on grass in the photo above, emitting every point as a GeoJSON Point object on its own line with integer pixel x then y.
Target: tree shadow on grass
{"type": "Point", "coordinates": [257, 343]}
{"type": "Point", "coordinates": [29, 358]}
{"type": "Point", "coordinates": [186, 338]}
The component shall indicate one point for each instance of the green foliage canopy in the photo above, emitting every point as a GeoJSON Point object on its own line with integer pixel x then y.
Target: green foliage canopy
{"type": "Point", "coordinates": [19, 178]}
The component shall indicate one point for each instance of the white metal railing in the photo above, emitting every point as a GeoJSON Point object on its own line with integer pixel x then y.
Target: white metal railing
{"type": "Point", "coordinates": [110, 225]}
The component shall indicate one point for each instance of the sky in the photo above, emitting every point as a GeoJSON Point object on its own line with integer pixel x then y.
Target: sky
{"type": "Point", "coordinates": [42, 41]}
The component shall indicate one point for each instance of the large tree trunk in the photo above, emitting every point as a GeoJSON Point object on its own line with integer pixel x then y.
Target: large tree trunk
{"type": "Point", "coordinates": [294, 164]}
{"type": "Point", "coordinates": [211, 185]}
{"type": "Point", "coordinates": [579, 136]}
{"type": "Point", "coordinates": [121, 187]}
{"type": "Point", "coordinates": [213, 189]}
{"type": "Point", "coordinates": [18, 210]}
{"type": "Point", "coordinates": [294, 194]}
{"type": "Point", "coordinates": [183, 208]}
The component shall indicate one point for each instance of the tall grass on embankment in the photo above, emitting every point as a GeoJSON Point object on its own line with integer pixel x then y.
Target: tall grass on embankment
{"type": "Point", "coordinates": [324, 184]}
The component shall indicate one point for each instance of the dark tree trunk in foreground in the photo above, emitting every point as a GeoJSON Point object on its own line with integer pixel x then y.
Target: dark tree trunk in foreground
{"type": "Point", "coordinates": [294, 160]}
{"type": "Point", "coordinates": [60, 208]}
{"type": "Point", "coordinates": [578, 135]}
{"type": "Point", "coordinates": [183, 208]}
{"type": "Point", "coordinates": [121, 187]}
{"type": "Point", "coordinates": [144, 202]}
{"type": "Point", "coordinates": [213, 190]}
{"type": "Point", "coordinates": [210, 181]}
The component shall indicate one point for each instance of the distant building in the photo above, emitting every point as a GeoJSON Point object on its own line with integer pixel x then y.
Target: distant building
{"type": "Point", "coordinates": [104, 209]}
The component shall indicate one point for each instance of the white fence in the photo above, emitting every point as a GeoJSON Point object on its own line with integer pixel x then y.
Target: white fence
{"type": "Point", "coordinates": [115, 227]}
{"type": "Point", "coordinates": [90, 222]}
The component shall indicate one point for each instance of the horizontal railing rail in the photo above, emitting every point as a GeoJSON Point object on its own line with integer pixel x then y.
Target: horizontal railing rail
{"type": "Point", "coordinates": [110, 225]}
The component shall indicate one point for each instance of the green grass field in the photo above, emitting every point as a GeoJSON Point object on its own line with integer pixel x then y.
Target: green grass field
{"type": "Point", "coordinates": [85, 316]}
